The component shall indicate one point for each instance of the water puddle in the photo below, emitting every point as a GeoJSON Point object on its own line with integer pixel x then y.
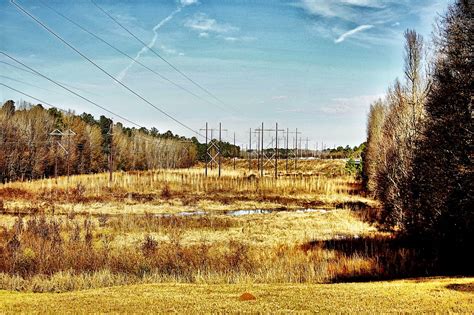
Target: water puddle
{"type": "Point", "coordinates": [238, 213]}
{"type": "Point", "coordinates": [181, 214]}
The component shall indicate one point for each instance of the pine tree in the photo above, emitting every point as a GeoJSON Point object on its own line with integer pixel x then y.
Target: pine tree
{"type": "Point", "coordinates": [442, 188]}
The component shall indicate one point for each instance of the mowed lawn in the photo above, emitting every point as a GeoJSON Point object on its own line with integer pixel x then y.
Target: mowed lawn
{"type": "Point", "coordinates": [415, 295]}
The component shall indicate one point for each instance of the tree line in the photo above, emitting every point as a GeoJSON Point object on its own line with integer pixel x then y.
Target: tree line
{"type": "Point", "coordinates": [30, 149]}
{"type": "Point", "coordinates": [418, 159]}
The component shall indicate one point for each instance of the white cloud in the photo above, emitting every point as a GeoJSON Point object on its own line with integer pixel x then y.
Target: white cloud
{"type": "Point", "coordinates": [185, 3]}
{"type": "Point", "coordinates": [365, 3]}
{"type": "Point", "coordinates": [356, 30]}
{"type": "Point", "coordinates": [350, 105]}
{"type": "Point", "coordinates": [168, 50]}
{"type": "Point", "coordinates": [340, 8]}
{"type": "Point", "coordinates": [203, 23]}
{"type": "Point", "coordinates": [237, 38]}
{"type": "Point", "coordinates": [231, 39]}
{"type": "Point", "coordinates": [355, 11]}
{"type": "Point", "coordinates": [279, 97]}
{"type": "Point", "coordinates": [203, 34]}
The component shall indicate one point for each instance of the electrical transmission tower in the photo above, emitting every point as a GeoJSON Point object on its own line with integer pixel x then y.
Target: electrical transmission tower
{"type": "Point", "coordinates": [269, 152]}
{"type": "Point", "coordinates": [213, 148]}
{"type": "Point", "coordinates": [293, 153]}
{"type": "Point", "coordinates": [58, 136]}
{"type": "Point", "coordinates": [110, 134]}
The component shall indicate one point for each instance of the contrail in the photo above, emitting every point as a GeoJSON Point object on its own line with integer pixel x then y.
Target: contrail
{"type": "Point", "coordinates": [123, 73]}
{"type": "Point", "coordinates": [352, 32]}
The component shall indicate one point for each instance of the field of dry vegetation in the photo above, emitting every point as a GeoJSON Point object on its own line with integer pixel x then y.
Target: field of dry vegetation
{"type": "Point", "coordinates": [178, 227]}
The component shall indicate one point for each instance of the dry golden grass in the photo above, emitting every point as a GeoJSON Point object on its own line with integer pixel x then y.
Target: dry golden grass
{"type": "Point", "coordinates": [439, 295]}
{"type": "Point", "coordinates": [273, 229]}
{"type": "Point", "coordinates": [171, 191]}
{"type": "Point", "coordinates": [265, 248]}
{"type": "Point", "coordinates": [88, 234]}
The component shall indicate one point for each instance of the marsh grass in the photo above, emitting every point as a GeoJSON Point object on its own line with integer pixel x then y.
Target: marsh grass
{"type": "Point", "coordinates": [49, 248]}
{"type": "Point", "coordinates": [326, 185]}
{"type": "Point", "coordinates": [59, 253]}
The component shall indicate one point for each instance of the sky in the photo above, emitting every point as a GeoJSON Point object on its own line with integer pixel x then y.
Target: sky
{"type": "Point", "coordinates": [315, 65]}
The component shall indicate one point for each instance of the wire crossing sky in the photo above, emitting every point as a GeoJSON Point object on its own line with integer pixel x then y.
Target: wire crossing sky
{"type": "Point", "coordinates": [312, 64]}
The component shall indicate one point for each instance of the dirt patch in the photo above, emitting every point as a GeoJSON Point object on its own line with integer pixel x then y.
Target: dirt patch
{"type": "Point", "coordinates": [247, 297]}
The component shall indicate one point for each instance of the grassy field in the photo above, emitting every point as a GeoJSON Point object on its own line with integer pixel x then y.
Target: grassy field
{"type": "Point", "coordinates": [168, 240]}
{"type": "Point", "coordinates": [317, 184]}
{"type": "Point", "coordinates": [443, 295]}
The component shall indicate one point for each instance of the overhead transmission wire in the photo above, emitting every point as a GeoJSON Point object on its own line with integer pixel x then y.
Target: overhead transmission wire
{"type": "Point", "coordinates": [27, 71]}
{"type": "Point", "coordinates": [158, 140]}
{"type": "Point", "coordinates": [102, 69]}
{"type": "Point", "coordinates": [68, 89]}
{"type": "Point", "coordinates": [23, 82]}
{"type": "Point", "coordinates": [161, 57]}
{"type": "Point", "coordinates": [165, 60]}
{"type": "Point", "coordinates": [39, 100]}
{"type": "Point", "coordinates": [128, 56]}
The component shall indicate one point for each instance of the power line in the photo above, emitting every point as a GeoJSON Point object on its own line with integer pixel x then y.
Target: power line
{"type": "Point", "coordinates": [138, 136]}
{"type": "Point", "coordinates": [67, 89]}
{"type": "Point", "coordinates": [27, 71]}
{"type": "Point", "coordinates": [127, 55]}
{"type": "Point", "coordinates": [161, 57]}
{"type": "Point", "coordinates": [16, 67]}
{"type": "Point", "coordinates": [18, 91]}
{"type": "Point", "coordinates": [23, 82]}
{"type": "Point", "coordinates": [102, 69]}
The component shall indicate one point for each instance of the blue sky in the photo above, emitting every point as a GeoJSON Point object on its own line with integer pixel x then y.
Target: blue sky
{"type": "Point", "coordinates": [308, 64]}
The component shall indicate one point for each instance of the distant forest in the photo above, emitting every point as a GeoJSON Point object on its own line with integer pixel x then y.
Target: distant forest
{"type": "Point", "coordinates": [30, 148]}
{"type": "Point", "coordinates": [36, 142]}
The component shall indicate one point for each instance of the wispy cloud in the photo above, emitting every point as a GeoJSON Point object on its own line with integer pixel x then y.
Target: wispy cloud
{"type": "Point", "coordinates": [331, 18]}
{"type": "Point", "coordinates": [349, 105]}
{"type": "Point", "coordinates": [188, 2]}
{"type": "Point", "coordinates": [344, 9]}
{"type": "Point", "coordinates": [204, 24]}
{"type": "Point", "coordinates": [341, 106]}
{"type": "Point", "coordinates": [170, 51]}
{"type": "Point", "coordinates": [208, 27]}
{"type": "Point", "coordinates": [356, 30]}
{"type": "Point", "coordinates": [279, 97]}
{"type": "Point", "coordinates": [236, 38]}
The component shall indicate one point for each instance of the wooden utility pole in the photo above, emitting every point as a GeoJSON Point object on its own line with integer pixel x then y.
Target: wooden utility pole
{"type": "Point", "coordinates": [205, 160]}
{"type": "Point", "coordinates": [111, 151]}
{"type": "Point", "coordinates": [287, 152]}
{"type": "Point", "coordinates": [306, 147]}
{"type": "Point", "coordinates": [257, 132]}
{"type": "Point", "coordinates": [250, 150]}
{"type": "Point", "coordinates": [296, 153]}
{"type": "Point", "coordinates": [57, 134]}
{"type": "Point", "coordinates": [262, 152]}
{"type": "Point", "coordinates": [234, 149]}
{"type": "Point", "coordinates": [219, 148]}
{"type": "Point", "coordinates": [276, 150]}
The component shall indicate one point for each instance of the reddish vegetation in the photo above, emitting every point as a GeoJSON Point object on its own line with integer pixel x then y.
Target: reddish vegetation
{"type": "Point", "coordinates": [14, 193]}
